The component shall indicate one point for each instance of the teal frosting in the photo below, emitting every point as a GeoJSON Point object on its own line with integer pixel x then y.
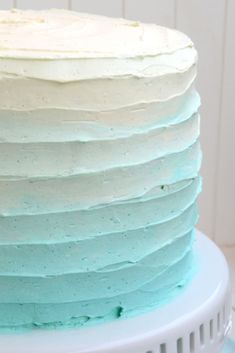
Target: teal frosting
{"type": "Point", "coordinates": [103, 230]}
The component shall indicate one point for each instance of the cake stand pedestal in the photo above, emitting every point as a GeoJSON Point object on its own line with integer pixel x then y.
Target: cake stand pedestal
{"type": "Point", "coordinates": [198, 320]}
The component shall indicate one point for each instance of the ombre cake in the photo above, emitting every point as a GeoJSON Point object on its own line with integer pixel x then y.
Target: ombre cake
{"type": "Point", "coordinates": [99, 162]}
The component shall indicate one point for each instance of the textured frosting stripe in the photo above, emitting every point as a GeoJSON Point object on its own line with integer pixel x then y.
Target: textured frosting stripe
{"type": "Point", "coordinates": [81, 69]}
{"type": "Point", "coordinates": [62, 159]}
{"type": "Point", "coordinates": [96, 284]}
{"type": "Point", "coordinates": [60, 125]}
{"type": "Point", "coordinates": [104, 252]}
{"type": "Point", "coordinates": [166, 286]}
{"type": "Point", "coordinates": [163, 204]}
{"type": "Point", "coordinates": [77, 94]}
{"type": "Point", "coordinates": [28, 196]}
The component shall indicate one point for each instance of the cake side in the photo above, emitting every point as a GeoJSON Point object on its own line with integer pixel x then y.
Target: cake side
{"type": "Point", "coordinates": [98, 170]}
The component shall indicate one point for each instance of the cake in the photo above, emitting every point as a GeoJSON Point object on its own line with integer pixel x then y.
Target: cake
{"type": "Point", "coordinates": [99, 163]}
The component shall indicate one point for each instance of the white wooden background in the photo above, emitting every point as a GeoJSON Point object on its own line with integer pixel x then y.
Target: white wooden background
{"type": "Point", "coordinates": [211, 25]}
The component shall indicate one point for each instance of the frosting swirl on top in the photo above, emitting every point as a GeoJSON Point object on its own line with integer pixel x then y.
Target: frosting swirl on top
{"type": "Point", "coordinates": [65, 34]}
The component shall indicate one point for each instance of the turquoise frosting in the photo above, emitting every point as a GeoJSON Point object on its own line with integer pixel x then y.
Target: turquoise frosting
{"type": "Point", "coordinates": [93, 259]}
{"type": "Point", "coordinates": [161, 289]}
{"type": "Point", "coordinates": [118, 246]}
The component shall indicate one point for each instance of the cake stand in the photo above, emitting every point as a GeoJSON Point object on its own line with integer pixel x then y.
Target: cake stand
{"type": "Point", "coordinates": [198, 320]}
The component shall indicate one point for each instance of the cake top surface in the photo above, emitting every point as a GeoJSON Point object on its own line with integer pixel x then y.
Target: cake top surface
{"type": "Point", "coordinates": [57, 33]}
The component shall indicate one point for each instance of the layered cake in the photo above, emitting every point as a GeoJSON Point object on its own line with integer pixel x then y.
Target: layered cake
{"type": "Point", "coordinates": [99, 162]}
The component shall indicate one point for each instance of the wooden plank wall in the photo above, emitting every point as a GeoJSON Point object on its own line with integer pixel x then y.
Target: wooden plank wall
{"type": "Point", "coordinates": [211, 25]}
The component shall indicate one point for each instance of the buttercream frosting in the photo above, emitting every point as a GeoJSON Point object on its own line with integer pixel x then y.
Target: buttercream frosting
{"type": "Point", "coordinates": [63, 34]}
{"type": "Point", "coordinates": [99, 164]}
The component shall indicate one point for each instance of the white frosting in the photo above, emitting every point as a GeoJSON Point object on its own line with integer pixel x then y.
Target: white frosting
{"type": "Point", "coordinates": [65, 70]}
{"type": "Point", "coordinates": [92, 94]}
{"type": "Point", "coordinates": [82, 46]}
{"type": "Point", "coordinates": [63, 34]}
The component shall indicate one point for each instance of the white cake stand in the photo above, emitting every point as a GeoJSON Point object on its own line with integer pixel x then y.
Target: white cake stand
{"type": "Point", "coordinates": [198, 320]}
